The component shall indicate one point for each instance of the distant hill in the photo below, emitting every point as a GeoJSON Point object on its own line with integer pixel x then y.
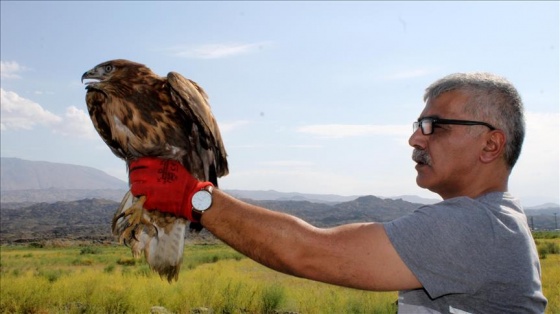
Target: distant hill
{"type": "Point", "coordinates": [544, 206]}
{"type": "Point", "coordinates": [53, 195]}
{"type": "Point", "coordinates": [416, 199]}
{"type": "Point", "coordinates": [41, 181]}
{"type": "Point", "coordinates": [259, 195]}
{"type": "Point", "coordinates": [543, 217]}
{"type": "Point", "coordinates": [90, 219]}
{"type": "Point", "coordinates": [20, 174]}
{"type": "Point", "coordinates": [316, 198]}
{"type": "Point", "coordinates": [24, 181]}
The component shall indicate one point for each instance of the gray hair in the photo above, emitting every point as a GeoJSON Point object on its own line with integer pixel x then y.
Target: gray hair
{"type": "Point", "coordinates": [492, 99]}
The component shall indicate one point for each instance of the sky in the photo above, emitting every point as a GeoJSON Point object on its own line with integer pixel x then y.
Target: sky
{"type": "Point", "coordinates": [311, 97]}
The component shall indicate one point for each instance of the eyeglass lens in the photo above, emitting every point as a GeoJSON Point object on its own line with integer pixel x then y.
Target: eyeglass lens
{"type": "Point", "coordinates": [426, 125]}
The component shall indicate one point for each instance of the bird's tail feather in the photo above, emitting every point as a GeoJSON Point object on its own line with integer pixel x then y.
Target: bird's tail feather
{"type": "Point", "coordinates": [160, 238]}
{"type": "Point", "coordinates": [164, 252]}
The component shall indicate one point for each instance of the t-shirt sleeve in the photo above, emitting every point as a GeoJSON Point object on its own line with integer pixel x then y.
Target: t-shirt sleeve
{"type": "Point", "coordinates": [443, 245]}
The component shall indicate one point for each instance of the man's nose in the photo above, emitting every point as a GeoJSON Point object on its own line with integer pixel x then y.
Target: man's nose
{"type": "Point", "coordinates": [417, 139]}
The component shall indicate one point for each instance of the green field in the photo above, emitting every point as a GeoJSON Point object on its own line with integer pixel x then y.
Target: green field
{"type": "Point", "coordinates": [214, 278]}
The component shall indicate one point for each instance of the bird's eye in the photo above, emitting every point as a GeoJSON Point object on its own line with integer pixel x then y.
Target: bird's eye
{"type": "Point", "coordinates": [108, 68]}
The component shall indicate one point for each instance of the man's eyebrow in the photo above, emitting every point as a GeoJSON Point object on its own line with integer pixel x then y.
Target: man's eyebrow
{"type": "Point", "coordinates": [432, 117]}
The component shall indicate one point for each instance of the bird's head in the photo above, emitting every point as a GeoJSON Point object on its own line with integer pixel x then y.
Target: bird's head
{"type": "Point", "coordinates": [113, 69]}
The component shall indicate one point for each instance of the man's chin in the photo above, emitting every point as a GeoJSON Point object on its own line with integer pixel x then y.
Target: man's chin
{"type": "Point", "coordinates": [422, 181]}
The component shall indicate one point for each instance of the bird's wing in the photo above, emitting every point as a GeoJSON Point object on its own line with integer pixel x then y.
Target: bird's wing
{"type": "Point", "coordinates": [193, 101]}
{"type": "Point", "coordinates": [96, 101]}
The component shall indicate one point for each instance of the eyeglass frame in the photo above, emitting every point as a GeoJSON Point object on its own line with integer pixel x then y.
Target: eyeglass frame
{"type": "Point", "coordinates": [435, 120]}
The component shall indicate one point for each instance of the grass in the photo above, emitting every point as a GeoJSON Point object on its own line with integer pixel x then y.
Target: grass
{"type": "Point", "coordinates": [105, 279]}
{"type": "Point", "coordinates": [551, 282]}
{"type": "Point", "coordinates": [548, 244]}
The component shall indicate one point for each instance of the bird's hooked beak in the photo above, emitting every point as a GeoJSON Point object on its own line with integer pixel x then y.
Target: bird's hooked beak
{"type": "Point", "coordinates": [94, 74]}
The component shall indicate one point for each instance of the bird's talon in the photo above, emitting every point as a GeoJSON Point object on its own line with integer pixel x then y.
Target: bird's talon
{"type": "Point", "coordinates": [128, 220]}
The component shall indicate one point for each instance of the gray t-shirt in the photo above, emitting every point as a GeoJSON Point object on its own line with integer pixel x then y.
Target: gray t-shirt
{"type": "Point", "coordinates": [471, 256]}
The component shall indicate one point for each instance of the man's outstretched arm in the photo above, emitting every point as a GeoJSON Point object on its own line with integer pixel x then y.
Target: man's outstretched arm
{"type": "Point", "coordinates": [356, 255]}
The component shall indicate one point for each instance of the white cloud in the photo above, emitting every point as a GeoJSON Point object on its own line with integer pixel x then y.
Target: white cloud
{"type": "Point", "coordinates": [10, 69]}
{"type": "Point", "coordinates": [76, 123]}
{"type": "Point", "coordinates": [354, 130]}
{"type": "Point", "coordinates": [39, 92]}
{"type": "Point", "coordinates": [20, 113]}
{"type": "Point", "coordinates": [216, 51]}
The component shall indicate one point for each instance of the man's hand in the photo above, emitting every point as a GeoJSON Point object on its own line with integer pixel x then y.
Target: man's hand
{"type": "Point", "coordinates": [167, 185]}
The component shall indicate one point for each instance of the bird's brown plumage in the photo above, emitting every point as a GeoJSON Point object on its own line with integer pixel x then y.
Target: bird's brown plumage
{"type": "Point", "coordinates": [138, 113]}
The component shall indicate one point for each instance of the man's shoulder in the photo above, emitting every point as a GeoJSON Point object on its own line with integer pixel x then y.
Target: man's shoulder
{"type": "Point", "coordinates": [489, 201]}
{"type": "Point", "coordinates": [451, 206]}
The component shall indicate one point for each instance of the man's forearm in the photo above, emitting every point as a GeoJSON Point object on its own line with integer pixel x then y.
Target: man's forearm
{"type": "Point", "coordinates": [263, 235]}
{"type": "Point", "coordinates": [353, 255]}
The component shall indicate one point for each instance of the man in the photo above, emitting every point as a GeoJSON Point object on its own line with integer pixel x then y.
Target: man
{"type": "Point", "coordinates": [471, 253]}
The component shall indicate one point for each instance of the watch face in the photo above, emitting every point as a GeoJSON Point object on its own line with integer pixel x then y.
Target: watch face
{"type": "Point", "coordinates": [202, 200]}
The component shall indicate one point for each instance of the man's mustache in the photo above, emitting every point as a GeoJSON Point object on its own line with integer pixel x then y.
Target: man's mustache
{"type": "Point", "coordinates": [421, 156]}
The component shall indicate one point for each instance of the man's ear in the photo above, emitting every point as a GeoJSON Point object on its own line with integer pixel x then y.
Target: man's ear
{"type": "Point", "coordinates": [494, 146]}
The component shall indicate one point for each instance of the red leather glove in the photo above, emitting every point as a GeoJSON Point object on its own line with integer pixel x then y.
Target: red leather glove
{"type": "Point", "coordinates": [167, 185]}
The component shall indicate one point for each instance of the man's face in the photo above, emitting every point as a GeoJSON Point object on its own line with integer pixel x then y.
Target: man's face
{"type": "Point", "coordinates": [449, 157]}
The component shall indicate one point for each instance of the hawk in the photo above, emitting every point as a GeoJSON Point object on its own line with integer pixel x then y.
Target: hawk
{"type": "Point", "coordinates": [137, 114]}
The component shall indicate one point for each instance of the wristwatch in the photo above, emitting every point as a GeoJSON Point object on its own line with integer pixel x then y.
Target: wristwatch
{"type": "Point", "coordinates": [202, 200]}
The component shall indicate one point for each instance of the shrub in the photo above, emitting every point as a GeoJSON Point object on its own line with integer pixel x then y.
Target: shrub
{"type": "Point", "coordinates": [546, 247]}
{"type": "Point", "coordinates": [82, 262]}
{"type": "Point", "coordinates": [109, 268]}
{"type": "Point", "coordinates": [553, 248]}
{"type": "Point", "coordinates": [272, 296]}
{"type": "Point", "coordinates": [90, 250]}
{"type": "Point", "coordinates": [52, 275]}
{"type": "Point", "coordinates": [144, 271]}
{"type": "Point", "coordinates": [126, 261]}
{"type": "Point", "coordinates": [546, 234]}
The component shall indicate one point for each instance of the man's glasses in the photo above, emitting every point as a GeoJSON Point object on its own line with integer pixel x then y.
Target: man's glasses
{"type": "Point", "coordinates": [428, 124]}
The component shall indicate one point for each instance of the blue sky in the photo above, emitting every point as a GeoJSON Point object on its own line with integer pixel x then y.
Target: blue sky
{"type": "Point", "coordinates": [311, 97]}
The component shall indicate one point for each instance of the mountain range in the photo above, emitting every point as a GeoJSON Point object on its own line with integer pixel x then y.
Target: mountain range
{"type": "Point", "coordinates": [42, 181]}
{"type": "Point", "coordinates": [44, 200]}
{"type": "Point", "coordinates": [20, 174]}
{"type": "Point", "coordinates": [25, 181]}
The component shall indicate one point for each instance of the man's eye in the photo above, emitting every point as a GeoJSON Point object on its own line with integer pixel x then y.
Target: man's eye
{"type": "Point", "coordinates": [436, 126]}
